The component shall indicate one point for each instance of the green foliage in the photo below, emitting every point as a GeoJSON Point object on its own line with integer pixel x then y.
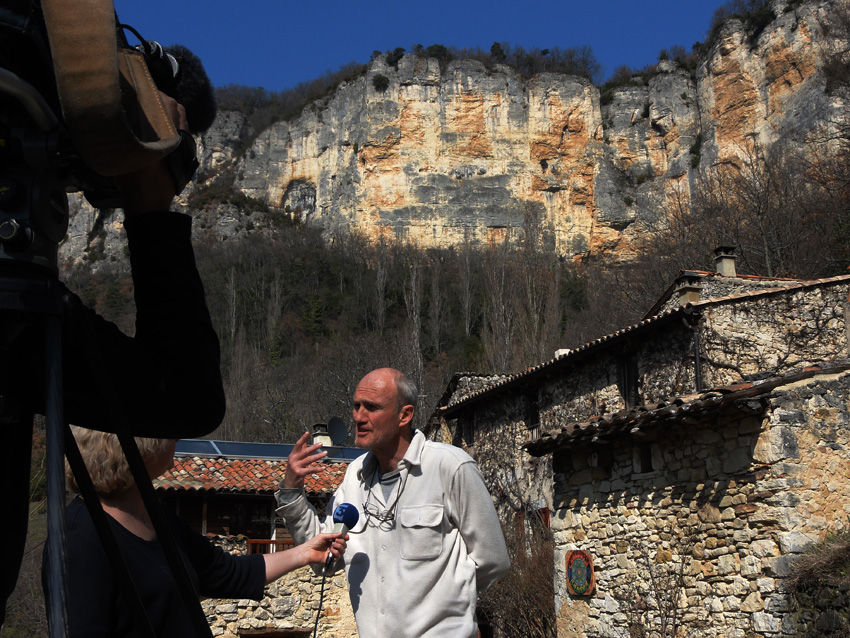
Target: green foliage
{"type": "Point", "coordinates": [394, 56]}
{"type": "Point", "coordinates": [380, 82]}
{"type": "Point", "coordinates": [263, 108]}
{"type": "Point", "coordinates": [696, 150]}
{"type": "Point", "coordinates": [440, 52]}
{"type": "Point", "coordinates": [247, 203]}
{"type": "Point", "coordinates": [643, 177]}
{"type": "Point", "coordinates": [685, 60]}
{"type": "Point", "coordinates": [578, 61]}
{"type": "Point", "coordinates": [497, 52]}
{"type": "Point", "coordinates": [211, 192]}
{"type": "Point", "coordinates": [625, 76]}
{"type": "Point", "coordinates": [756, 15]}
{"type": "Point", "coordinates": [836, 71]}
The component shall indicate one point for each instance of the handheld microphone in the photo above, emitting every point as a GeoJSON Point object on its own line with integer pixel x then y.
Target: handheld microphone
{"type": "Point", "coordinates": [345, 517]}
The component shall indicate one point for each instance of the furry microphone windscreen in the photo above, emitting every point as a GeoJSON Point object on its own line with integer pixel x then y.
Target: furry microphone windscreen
{"type": "Point", "coordinates": [193, 89]}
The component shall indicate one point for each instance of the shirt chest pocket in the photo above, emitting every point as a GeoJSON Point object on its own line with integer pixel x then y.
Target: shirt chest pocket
{"type": "Point", "coordinates": [421, 532]}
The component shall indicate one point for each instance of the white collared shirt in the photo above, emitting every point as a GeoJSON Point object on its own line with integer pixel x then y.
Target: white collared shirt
{"type": "Point", "coordinates": [418, 575]}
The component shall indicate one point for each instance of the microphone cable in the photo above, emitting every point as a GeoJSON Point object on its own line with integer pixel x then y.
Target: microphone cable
{"type": "Point", "coordinates": [321, 599]}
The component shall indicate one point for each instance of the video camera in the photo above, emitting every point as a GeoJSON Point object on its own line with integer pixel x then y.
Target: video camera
{"type": "Point", "coordinates": [78, 107]}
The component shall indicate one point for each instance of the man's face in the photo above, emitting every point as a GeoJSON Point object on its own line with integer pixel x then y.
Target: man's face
{"type": "Point", "coordinates": [377, 416]}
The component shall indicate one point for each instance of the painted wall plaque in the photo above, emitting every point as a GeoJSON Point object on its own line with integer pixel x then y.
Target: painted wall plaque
{"type": "Point", "coordinates": [579, 573]}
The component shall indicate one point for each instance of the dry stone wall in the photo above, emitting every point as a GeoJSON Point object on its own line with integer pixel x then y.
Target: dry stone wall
{"type": "Point", "coordinates": [728, 507]}
{"type": "Point", "coordinates": [774, 333]}
{"type": "Point", "coordinates": [289, 603]}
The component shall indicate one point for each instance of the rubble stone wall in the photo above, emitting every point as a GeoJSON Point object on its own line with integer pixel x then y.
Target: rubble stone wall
{"type": "Point", "coordinates": [776, 332]}
{"type": "Point", "coordinates": [728, 506]}
{"type": "Point", "coordinates": [289, 603]}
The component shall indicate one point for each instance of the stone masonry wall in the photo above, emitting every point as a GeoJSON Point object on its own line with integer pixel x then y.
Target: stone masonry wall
{"type": "Point", "coordinates": [730, 504]}
{"type": "Point", "coordinates": [291, 602]}
{"type": "Point", "coordinates": [664, 367]}
{"type": "Point", "coordinates": [776, 333]}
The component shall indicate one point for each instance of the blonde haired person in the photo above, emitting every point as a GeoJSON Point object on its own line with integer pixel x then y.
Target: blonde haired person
{"type": "Point", "coordinates": [96, 606]}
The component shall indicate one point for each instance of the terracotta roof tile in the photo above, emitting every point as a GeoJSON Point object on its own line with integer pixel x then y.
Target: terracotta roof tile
{"type": "Point", "coordinates": [242, 475]}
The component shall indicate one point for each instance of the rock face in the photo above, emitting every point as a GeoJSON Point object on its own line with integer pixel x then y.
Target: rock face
{"type": "Point", "coordinates": [443, 156]}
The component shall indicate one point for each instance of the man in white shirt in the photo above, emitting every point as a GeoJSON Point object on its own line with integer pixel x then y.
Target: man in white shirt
{"type": "Point", "coordinates": [428, 540]}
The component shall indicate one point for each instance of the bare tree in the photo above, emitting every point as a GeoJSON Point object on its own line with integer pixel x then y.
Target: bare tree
{"type": "Point", "coordinates": [413, 303]}
{"type": "Point", "coordinates": [467, 282]}
{"type": "Point", "coordinates": [538, 310]}
{"type": "Point", "coordinates": [500, 316]}
{"type": "Point", "coordinates": [435, 304]}
{"type": "Point", "coordinates": [521, 603]}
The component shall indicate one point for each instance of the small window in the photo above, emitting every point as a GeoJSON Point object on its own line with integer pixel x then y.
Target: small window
{"type": "Point", "coordinates": [628, 380]}
{"type": "Point", "coordinates": [643, 458]}
{"type": "Point", "coordinates": [562, 461]}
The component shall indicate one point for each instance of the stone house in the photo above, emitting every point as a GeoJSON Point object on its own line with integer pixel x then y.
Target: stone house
{"type": "Point", "coordinates": [693, 456]}
{"type": "Point", "coordinates": [225, 490]}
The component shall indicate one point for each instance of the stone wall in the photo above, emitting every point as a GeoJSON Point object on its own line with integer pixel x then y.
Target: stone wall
{"type": "Point", "coordinates": [714, 286]}
{"type": "Point", "coordinates": [291, 602]}
{"type": "Point", "coordinates": [773, 332]}
{"type": "Point", "coordinates": [729, 504]}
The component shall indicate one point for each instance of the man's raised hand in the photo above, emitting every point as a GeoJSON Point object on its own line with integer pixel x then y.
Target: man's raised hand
{"type": "Point", "coordinates": [303, 460]}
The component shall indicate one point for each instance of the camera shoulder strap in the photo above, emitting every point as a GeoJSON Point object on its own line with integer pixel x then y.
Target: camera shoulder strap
{"type": "Point", "coordinates": [110, 103]}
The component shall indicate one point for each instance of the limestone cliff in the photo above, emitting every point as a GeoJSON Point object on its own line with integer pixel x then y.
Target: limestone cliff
{"type": "Point", "coordinates": [442, 156]}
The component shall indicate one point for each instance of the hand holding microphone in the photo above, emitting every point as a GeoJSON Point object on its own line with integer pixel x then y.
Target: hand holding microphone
{"type": "Point", "coordinates": [345, 517]}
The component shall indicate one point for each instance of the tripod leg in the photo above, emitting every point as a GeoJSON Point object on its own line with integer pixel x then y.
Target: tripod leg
{"type": "Point", "coordinates": [17, 451]}
{"type": "Point", "coordinates": [57, 614]}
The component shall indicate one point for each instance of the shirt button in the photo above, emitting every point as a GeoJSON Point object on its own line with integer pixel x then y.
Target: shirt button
{"type": "Point", "coordinates": [383, 548]}
{"type": "Point", "coordinates": [382, 612]}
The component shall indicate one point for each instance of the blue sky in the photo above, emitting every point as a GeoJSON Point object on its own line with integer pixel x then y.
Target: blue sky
{"type": "Point", "coordinates": [277, 44]}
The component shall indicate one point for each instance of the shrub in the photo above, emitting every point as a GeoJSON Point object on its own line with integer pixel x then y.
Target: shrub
{"type": "Point", "coordinates": [395, 56]}
{"type": "Point", "coordinates": [826, 564]}
{"type": "Point", "coordinates": [380, 82]}
{"type": "Point", "coordinates": [497, 52]}
{"type": "Point", "coordinates": [438, 51]}
{"type": "Point", "coordinates": [756, 15]}
{"type": "Point", "coordinates": [696, 150]}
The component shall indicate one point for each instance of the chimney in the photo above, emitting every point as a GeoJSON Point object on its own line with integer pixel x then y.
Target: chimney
{"type": "Point", "coordinates": [724, 261]}
{"type": "Point", "coordinates": [320, 434]}
{"type": "Point", "coordinates": [688, 289]}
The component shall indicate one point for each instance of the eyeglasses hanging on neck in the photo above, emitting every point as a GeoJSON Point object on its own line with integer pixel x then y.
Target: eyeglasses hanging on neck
{"type": "Point", "coordinates": [372, 509]}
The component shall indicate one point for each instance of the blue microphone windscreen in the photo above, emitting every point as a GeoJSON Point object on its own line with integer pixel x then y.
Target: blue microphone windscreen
{"type": "Point", "coordinates": [346, 514]}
